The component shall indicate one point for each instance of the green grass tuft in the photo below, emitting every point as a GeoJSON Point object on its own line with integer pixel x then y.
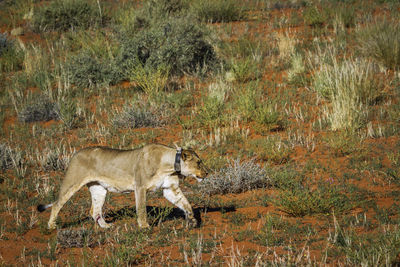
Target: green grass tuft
{"type": "Point", "coordinates": [380, 40]}
{"type": "Point", "coordinates": [218, 10]}
{"type": "Point", "coordinates": [301, 201]}
{"type": "Point", "coordinates": [351, 85]}
{"type": "Point", "coordinates": [313, 16]}
{"type": "Point", "coordinates": [67, 15]}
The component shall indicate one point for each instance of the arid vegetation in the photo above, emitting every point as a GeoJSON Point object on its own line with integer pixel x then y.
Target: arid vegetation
{"type": "Point", "coordinates": [294, 105]}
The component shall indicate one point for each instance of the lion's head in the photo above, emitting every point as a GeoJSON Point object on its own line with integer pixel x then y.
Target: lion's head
{"type": "Point", "coordinates": [193, 165]}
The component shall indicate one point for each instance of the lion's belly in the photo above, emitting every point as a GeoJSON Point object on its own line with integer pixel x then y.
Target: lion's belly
{"type": "Point", "coordinates": [117, 189]}
{"type": "Point", "coordinates": [123, 186]}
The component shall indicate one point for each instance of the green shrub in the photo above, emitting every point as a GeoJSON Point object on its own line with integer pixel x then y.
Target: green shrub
{"type": "Point", "coordinates": [179, 44]}
{"type": "Point", "coordinates": [217, 10]}
{"type": "Point", "coordinates": [88, 69]}
{"type": "Point", "coordinates": [64, 15]}
{"type": "Point", "coordinates": [11, 57]}
{"type": "Point", "coordinates": [380, 40]}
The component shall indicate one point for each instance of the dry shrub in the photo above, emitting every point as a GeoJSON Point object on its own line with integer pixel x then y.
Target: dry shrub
{"type": "Point", "coordinates": [237, 177]}
{"type": "Point", "coordinates": [71, 238]}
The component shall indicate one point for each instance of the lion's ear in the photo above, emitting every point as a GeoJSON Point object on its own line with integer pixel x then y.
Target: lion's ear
{"type": "Point", "coordinates": [186, 155]}
{"type": "Point", "coordinates": [176, 145]}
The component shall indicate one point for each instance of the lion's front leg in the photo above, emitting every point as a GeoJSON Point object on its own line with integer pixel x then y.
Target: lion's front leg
{"type": "Point", "coordinates": [174, 195]}
{"type": "Point", "coordinates": [140, 198]}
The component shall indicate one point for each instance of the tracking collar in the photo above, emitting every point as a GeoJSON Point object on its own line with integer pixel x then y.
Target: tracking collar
{"type": "Point", "coordinates": [177, 164]}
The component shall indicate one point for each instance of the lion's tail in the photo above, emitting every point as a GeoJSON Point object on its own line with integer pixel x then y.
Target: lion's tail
{"type": "Point", "coordinates": [42, 207]}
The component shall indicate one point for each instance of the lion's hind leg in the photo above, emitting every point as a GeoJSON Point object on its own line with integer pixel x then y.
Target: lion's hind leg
{"type": "Point", "coordinates": [67, 190]}
{"type": "Point", "coordinates": [64, 196]}
{"type": "Point", "coordinates": [98, 194]}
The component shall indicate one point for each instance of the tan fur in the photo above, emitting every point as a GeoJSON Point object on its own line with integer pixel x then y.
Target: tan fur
{"type": "Point", "coordinates": [139, 170]}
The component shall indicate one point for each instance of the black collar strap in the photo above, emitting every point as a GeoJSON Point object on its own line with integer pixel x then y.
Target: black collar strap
{"type": "Point", "coordinates": [177, 164]}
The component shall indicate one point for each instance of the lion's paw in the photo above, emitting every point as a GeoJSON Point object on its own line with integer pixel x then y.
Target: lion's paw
{"type": "Point", "coordinates": [191, 223]}
{"type": "Point", "coordinates": [144, 225]}
{"type": "Point", "coordinates": [52, 226]}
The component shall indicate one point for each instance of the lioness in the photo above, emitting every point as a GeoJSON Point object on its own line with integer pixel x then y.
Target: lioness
{"type": "Point", "coordinates": [148, 168]}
